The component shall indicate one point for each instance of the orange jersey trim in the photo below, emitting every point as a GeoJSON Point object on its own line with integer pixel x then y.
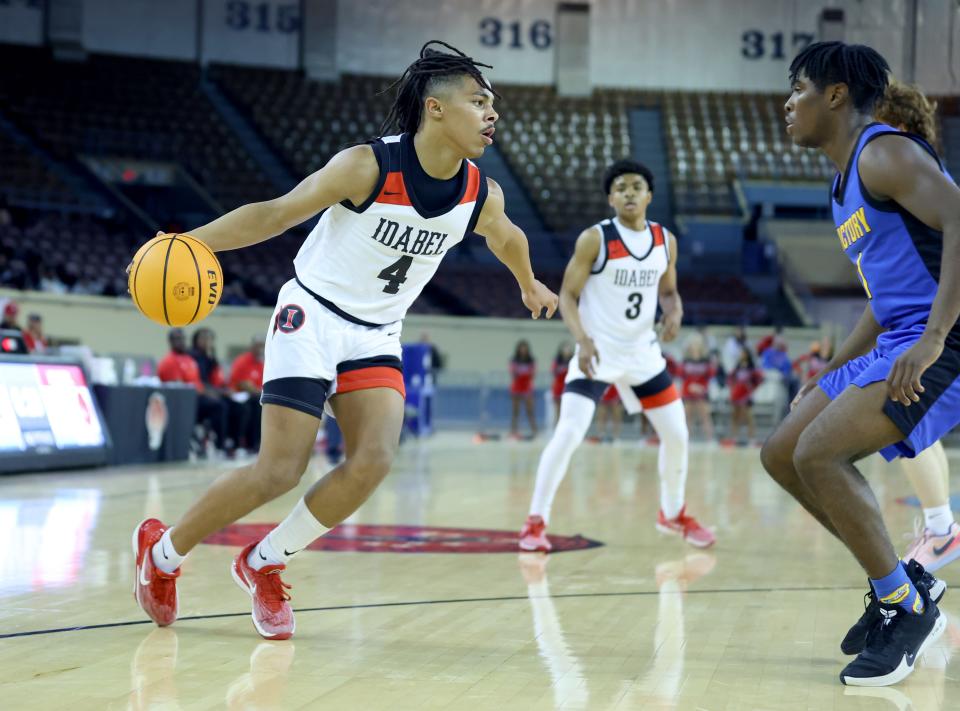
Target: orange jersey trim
{"type": "Point", "coordinates": [394, 191]}
{"type": "Point", "coordinates": [617, 250]}
{"type": "Point", "coordinates": [368, 378]}
{"type": "Point", "coordinates": [473, 185]}
{"type": "Point", "coordinates": [657, 234]}
{"type": "Point", "coordinates": [664, 397]}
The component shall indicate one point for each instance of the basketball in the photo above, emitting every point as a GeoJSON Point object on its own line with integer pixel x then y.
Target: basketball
{"type": "Point", "coordinates": [175, 280]}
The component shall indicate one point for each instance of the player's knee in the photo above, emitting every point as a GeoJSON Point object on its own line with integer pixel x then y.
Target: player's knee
{"type": "Point", "coordinates": [808, 458]}
{"type": "Point", "coordinates": [280, 475]}
{"type": "Point", "coordinates": [372, 462]}
{"type": "Point", "coordinates": [776, 457]}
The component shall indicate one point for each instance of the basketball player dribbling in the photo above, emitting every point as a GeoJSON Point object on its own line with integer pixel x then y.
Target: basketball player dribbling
{"type": "Point", "coordinates": [620, 271]}
{"type": "Point", "coordinates": [394, 208]}
{"type": "Point", "coordinates": [892, 386]}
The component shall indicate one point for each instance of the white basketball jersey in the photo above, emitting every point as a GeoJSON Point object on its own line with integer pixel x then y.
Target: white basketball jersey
{"type": "Point", "coordinates": [368, 263]}
{"type": "Point", "coordinates": [618, 304]}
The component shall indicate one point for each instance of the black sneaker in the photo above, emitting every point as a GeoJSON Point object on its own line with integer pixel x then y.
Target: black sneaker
{"type": "Point", "coordinates": [856, 638]}
{"type": "Point", "coordinates": [893, 648]}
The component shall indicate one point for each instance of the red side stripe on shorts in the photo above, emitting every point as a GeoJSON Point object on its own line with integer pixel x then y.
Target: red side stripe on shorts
{"type": "Point", "coordinates": [394, 191]}
{"type": "Point", "coordinates": [473, 184]}
{"type": "Point", "coordinates": [664, 397]}
{"type": "Point", "coordinates": [374, 377]}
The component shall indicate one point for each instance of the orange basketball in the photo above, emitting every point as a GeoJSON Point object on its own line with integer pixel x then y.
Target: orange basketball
{"type": "Point", "coordinates": [175, 280]}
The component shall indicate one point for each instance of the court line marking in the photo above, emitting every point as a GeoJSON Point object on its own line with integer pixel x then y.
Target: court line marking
{"type": "Point", "coordinates": [451, 601]}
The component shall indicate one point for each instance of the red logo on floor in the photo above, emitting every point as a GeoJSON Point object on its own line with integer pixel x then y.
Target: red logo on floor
{"type": "Point", "coordinates": [373, 538]}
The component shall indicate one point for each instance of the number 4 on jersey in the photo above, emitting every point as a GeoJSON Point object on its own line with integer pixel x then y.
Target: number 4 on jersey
{"type": "Point", "coordinates": [395, 274]}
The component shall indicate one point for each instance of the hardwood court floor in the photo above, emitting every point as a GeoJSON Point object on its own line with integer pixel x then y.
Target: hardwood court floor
{"type": "Point", "coordinates": [642, 622]}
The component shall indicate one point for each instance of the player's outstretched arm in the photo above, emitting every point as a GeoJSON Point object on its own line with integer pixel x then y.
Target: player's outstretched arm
{"type": "Point", "coordinates": [669, 296]}
{"type": "Point", "coordinates": [897, 168]}
{"type": "Point", "coordinates": [574, 278]}
{"type": "Point", "coordinates": [509, 244]}
{"type": "Point", "coordinates": [351, 175]}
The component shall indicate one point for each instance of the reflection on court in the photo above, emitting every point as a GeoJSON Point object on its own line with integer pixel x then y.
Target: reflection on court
{"type": "Point", "coordinates": [641, 622]}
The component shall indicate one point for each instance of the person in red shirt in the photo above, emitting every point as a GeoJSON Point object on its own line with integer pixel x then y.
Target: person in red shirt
{"type": "Point", "coordinates": [810, 363]}
{"type": "Point", "coordinates": [744, 379]}
{"type": "Point", "coordinates": [33, 335]}
{"type": "Point", "coordinates": [561, 363]}
{"type": "Point", "coordinates": [523, 368]}
{"type": "Point", "coordinates": [178, 366]}
{"type": "Point", "coordinates": [695, 372]}
{"type": "Point", "coordinates": [246, 376]}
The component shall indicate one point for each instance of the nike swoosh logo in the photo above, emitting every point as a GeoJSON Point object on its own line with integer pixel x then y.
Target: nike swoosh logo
{"type": "Point", "coordinates": [939, 550]}
{"type": "Point", "coordinates": [262, 556]}
{"type": "Point", "coordinates": [163, 549]}
{"type": "Point", "coordinates": [286, 552]}
{"type": "Point", "coordinates": [143, 570]}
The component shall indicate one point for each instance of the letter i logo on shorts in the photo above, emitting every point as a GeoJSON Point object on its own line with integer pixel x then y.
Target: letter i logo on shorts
{"type": "Point", "coordinates": [289, 319]}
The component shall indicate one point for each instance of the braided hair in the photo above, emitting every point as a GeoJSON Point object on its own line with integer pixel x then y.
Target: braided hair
{"type": "Point", "coordinates": [861, 68]}
{"type": "Point", "coordinates": [422, 78]}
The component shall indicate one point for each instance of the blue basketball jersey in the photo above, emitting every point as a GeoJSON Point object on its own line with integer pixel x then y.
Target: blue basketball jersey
{"type": "Point", "coordinates": [896, 256]}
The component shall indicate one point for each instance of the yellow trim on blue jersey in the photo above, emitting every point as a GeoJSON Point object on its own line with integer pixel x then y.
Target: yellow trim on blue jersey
{"type": "Point", "coordinates": [863, 279]}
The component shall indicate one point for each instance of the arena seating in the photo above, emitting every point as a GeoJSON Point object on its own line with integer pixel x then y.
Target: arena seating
{"type": "Point", "coordinates": [26, 178]}
{"type": "Point", "coordinates": [128, 108]}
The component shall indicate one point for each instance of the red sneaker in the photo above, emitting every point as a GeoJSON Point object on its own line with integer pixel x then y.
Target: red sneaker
{"type": "Point", "coordinates": [533, 535]}
{"type": "Point", "coordinates": [154, 590]}
{"type": "Point", "coordinates": [688, 527]}
{"type": "Point", "coordinates": [272, 615]}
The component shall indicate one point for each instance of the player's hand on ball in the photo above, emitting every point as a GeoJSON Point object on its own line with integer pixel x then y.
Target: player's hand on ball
{"type": "Point", "coordinates": [670, 326]}
{"type": "Point", "coordinates": [537, 298]}
{"type": "Point", "coordinates": [903, 381]}
{"type": "Point", "coordinates": [588, 357]}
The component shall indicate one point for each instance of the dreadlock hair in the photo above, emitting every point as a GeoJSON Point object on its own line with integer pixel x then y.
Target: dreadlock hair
{"type": "Point", "coordinates": [422, 78]}
{"type": "Point", "coordinates": [626, 166]}
{"type": "Point", "coordinates": [861, 68]}
{"type": "Point", "coordinates": [904, 105]}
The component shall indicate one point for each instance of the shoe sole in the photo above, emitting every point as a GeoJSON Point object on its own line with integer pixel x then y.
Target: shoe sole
{"type": "Point", "coordinates": [246, 588]}
{"type": "Point", "coordinates": [904, 669]}
{"type": "Point", "coordinates": [136, 575]}
{"type": "Point", "coordinates": [943, 561]}
{"type": "Point", "coordinates": [673, 532]}
{"type": "Point", "coordinates": [937, 591]}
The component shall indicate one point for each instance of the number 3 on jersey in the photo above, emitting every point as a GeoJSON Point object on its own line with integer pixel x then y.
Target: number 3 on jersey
{"type": "Point", "coordinates": [635, 300]}
{"type": "Point", "coordinates": [395, 274]}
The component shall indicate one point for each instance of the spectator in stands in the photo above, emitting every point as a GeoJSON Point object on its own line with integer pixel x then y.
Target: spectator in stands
{"type": "Point", "coordinates": [695, 372]}
{"type": "Point", "coordinates": [49, 281]}
{"type": "Point", "coordinates": [33, 336]}
{"type": "Point", "coordinates": [10, 312]}
{"type": "Point", "coordinates": [178, 366]}
{"type": "Point", "coordinates": [810, 363]}
{"type": "Point", "coordinates": [436, 357]}
{"type": "Point", "coordinates": [561, 363]}
{"type": "Point", "coordinates": [744, 379]}
{"type": "Point", "coordinates": [775, 358]}
{"type": "Point", "coordinates": [731, 349]}
{"type": "Point", "coordinates": [523, 368]}
{"type": "Point", "coordinates": [204, 351]}
{"type": "Point", "coordinates": [609, 411]}
{"type": "Point", "coordinates": [246, 376]}
{"type": "Point", "coordinates": [767, 341]}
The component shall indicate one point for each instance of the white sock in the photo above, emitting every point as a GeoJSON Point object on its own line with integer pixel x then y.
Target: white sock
{"type": "Point", "coordinates": [670, 424]}
{"type": "Point", "coordinates": [576, 413]}
{"type": "Point", "coordinates": [297, 531]}
{"type": "Point", "coordinates": [164, 555]}
{"type": "Point", "coordinates": [938, 519]}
